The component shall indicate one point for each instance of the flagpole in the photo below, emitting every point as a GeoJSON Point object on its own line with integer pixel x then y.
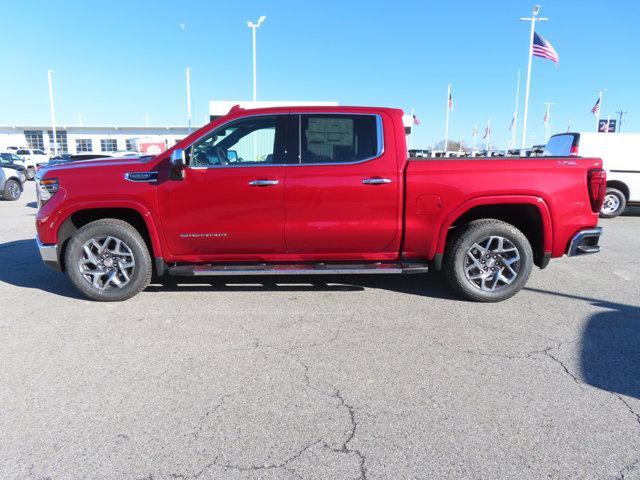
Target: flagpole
{"type": "Point", "coordinates": [533, 19]}
{"type": "Point", "coordinates": [547, 123]}
{"type": "Point", "coordinates": [446, 126]}
{"type": "Point", "coordinates": [413, 124]}
{"type": "Point", "coordinates": [569, 125]}
{"type": "Point", "coordinates": [53, 114]}
{"type": "Point", "coordinates": [475, 135]}
{"type": "Point", "coordinates": [600, 95]}
{"type": "Point", "coordinates": [514, 134]}
{"type": "Point", "coordinates": [488, 134]}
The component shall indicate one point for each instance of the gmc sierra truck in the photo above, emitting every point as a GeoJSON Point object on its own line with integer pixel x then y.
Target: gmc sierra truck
{"type": "Point", "coordinates": [314, 190]}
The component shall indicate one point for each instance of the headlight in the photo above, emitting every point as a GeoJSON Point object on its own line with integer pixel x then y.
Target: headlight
{"type": "Point", "coordinates": [47, 188]}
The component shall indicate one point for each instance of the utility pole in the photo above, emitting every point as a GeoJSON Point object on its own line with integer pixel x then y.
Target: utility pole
{"type": "Point", "coordinates": [254, 27]}
{"type": "Point", "coordinates": [53, 113]}
{"type": "Point", "coordinates": [446, 125]}
{"type": "Point", "coordinates": [620, 114]}
{"type": "Point", "coordinates": [533, 19]}
{"type": "Point", "coordinates": [488, 131]}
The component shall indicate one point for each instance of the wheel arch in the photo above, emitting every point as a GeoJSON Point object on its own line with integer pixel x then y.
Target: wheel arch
{"type": "Point", "coordinates": [527, 213]}
{"type": "Point", "coordinates": [619, 185]}
{"type": "Point", "coordinates": [140, 220]}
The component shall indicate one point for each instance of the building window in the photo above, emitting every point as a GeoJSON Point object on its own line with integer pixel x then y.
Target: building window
{"type": "Point", "coordinates": [129, 145]}
{"type": "Point", "coordinates": [109, 145]}
{"type": "Point", "coordinates": [61, 137]}
{"type": "Point", "coordinates": [34, 138]}
{"type": "Point", "coordinates": [83, 145]}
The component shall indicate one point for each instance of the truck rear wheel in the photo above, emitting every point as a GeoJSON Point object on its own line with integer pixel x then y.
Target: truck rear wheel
{"type": "Point", "coordinates": [108, 260]}
{"type": "Point", "coordinates": [614, 203]}
{"type": "Point", "coordinates": [488, 261]}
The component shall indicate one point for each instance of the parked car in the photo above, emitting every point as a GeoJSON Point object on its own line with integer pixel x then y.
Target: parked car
{"type": "Point", "coordinates": [619, 153]}
{"type": "Point", "coordinates": [33, 158]}
{"type": "Point", "coordinates": [10, 183]}
{"type": "Point", "coordinates": [313, 190]}
{"type": "Point", "coordinates": [11, 160]}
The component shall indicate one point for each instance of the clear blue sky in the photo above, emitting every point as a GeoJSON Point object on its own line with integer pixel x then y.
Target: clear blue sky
{"type": "Point", "coordinates": [116, 60]}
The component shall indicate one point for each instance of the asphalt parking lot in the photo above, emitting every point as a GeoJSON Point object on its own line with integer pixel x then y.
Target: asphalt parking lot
{"type": "Point", "coordinates": [316, 378]}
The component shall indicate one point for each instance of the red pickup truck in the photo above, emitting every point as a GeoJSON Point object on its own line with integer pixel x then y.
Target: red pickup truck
{"type": "Point", "coordinates": [315, 190]}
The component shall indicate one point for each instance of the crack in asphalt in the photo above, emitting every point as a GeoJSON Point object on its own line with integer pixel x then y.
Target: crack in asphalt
{"type": "Point", "coordinates": [268, 466]}
{"type": "Point", "coordinates": [626, 404]}
{"type": "Point", "coordinates": [344, 448]}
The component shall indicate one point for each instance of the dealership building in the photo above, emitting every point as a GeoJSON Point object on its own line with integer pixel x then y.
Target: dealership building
{"type": "Point", "coordinates": [111, 138]}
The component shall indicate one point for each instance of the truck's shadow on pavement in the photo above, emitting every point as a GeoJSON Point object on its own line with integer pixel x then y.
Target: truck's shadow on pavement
{"type": "Point", "coordinates": [20, 265]}
{"type": "Point", "coordinates": [610, 346]}
{"type": "Point", "coordinates": [429, 285]}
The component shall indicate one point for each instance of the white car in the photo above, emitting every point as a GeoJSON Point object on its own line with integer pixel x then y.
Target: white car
{"type": "Point", "coordinates": [619, 154]}
{"type": "Point", "coordinates": [32, 158]}
{"type": "Point", "coordinates": [10, 184]}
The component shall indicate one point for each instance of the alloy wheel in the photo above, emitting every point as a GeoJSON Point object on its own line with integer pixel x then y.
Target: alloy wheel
{"type": "Point", "coordinates": [106, 263]}
{"type": "Point", "coordinates": [492, 264]}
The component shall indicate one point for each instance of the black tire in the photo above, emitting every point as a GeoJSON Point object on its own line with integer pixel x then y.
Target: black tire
{"type": "Point", "coordinates": [613, 206]}
{"type": "Point", "coordinates": [12, 190]}
{"type": "Point", "coordinates": [140, 276]}
{"type": "Point", "coordinates": [455, 260]}
{"type": "Point", "coordinates": [31, 173]}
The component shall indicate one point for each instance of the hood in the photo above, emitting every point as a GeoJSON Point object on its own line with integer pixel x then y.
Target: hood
{"type": "Point", "coordinates": [19, 168]}
{"type": "Point", "coordinates": [102, 163]}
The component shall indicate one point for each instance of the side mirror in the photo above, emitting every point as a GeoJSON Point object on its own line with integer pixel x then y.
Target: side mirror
{"type": "Point", "coordinates": [232, 156]}
{"type": "Point", "coordinates": [178, 162]}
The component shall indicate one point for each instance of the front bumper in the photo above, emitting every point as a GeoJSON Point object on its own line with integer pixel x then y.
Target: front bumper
{"type": "Point", "coordinates": [49, 255]}
{"type": "Point", "coordinates": [585, 242]}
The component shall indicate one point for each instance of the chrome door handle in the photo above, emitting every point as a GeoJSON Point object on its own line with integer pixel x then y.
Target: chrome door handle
{"type": "Point", "coordinates": [263, 183]}
{"type": "Point", "coordinates": [376, 181]}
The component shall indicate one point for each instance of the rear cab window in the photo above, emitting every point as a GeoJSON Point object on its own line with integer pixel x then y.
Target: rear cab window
{"type": "Point", "coordinates": [560, 145]}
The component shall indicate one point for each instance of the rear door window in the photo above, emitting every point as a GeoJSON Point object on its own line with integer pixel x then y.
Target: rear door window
{"type": "Point", "coordinates": [559, 146]}
{"type": "Point", "coordinates": [23, 152]}
{"type": "Point", "coordinates": [333, 138]}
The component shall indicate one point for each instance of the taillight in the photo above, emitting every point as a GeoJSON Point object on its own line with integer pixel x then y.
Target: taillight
{"type": "Point", "coordinates": [574, 151]}
{"type": "Point", "coordinates": [597, 180]}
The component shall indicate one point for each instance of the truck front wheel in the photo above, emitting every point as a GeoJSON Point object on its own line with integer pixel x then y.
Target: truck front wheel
{"type": "Point", "coordinates": [488, 261]}
{"type": "Point", "coordinates": [108, 260]}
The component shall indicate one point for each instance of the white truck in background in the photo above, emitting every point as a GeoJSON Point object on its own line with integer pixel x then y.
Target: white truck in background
{"type": "Point", "coordinates": [620, 154]}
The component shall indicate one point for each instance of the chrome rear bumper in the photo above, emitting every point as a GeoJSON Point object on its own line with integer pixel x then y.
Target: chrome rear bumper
{"type": "Point", "coordinates": [584, 242]}
{"type": "Point", "coordinates": [49, 254]}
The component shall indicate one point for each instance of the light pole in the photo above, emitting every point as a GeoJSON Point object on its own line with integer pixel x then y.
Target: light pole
{"type": "Point", "coordinates": [446, 126]}
{"type": "Point", "coordinates": [533, 19]}
{"type": "Point", "coordinates": [189, 97]}
{"type": "Point", "coordinates": [253, 27]}
{"type": "Point", "coordinates": [53, 113]}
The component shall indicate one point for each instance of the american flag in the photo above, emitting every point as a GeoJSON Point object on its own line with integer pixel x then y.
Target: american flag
{"type": "Point", "coordinates": [487, 131]}
{"type": "Point", "coordinates": [596, 107]}
{"type": "Point", "coordinates": [416, 120]}
{"type": "Point", "coordinates": [546, 118]}
{"type": "Point", "coordinates": [544, 49]}
{"type": "Point", "coordinates": [513, 121]}
{"type": "Point", "coordinates": [450, 102]}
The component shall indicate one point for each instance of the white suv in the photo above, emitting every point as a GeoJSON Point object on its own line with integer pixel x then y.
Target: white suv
{"type": "Point", "coordinates": [10, 184]}
{"type": "Point", "coordinates": [32, 159]}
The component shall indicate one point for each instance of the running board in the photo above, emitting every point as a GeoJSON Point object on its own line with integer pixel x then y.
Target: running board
{"type": "Point", "coordinates": [298, 269]}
